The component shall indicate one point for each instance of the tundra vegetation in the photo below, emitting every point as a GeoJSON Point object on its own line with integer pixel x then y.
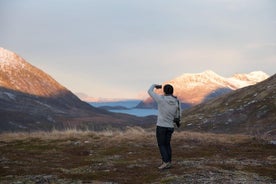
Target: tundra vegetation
{"type": "Point", "coordinates": [132, 156]}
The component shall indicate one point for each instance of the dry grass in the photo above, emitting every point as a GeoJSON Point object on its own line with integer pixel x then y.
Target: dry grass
{"type": "Point", "coordinates": [211, 137]}
{"type": "Point", "coordinates": [44, 135]}
{"type": "Point", "coordinates": [131, 156]}
{"type": "Point", "coordinates": [131, 133]}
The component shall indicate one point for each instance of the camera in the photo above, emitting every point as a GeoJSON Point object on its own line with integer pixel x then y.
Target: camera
{"type": "Point", "coordinates": [158, 86]}
{"type": "Point", "coordinates": [177, 122]}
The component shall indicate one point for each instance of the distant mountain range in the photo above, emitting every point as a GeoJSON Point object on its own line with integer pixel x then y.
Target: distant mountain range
{"type": "Point", "coordinates": [193, 89]}
{"type": "Point", "coordinates": [250, 110]}
{"type": "Point", "coordinates": [30, 99]}
{"type": "Point", "coordinates": [89, 99]}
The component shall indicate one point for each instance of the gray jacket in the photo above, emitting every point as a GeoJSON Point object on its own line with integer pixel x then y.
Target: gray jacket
{"type": "Point", "coordinates": [168, 108]}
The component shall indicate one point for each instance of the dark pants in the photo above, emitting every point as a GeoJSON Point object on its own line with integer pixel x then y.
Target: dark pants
{"type": "Point", "coordinates": [163, 136]}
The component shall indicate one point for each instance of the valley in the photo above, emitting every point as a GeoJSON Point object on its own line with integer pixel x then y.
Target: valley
{"type": "Point", "coordinates": [48, 135]}
{"type": "Point", "coordinates": [31, 100]}
{"type": "Point", "coordinates": [76, 83]}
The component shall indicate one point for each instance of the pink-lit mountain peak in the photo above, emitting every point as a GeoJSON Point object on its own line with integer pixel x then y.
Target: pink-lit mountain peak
{"type": "Point", "coordinates": [243, 80]}
{"type": "Point", "coordinates": [19, 75]}
{"type": "Point", "coordinates": [191, 80]}
{"type": "Point", "coordinates": [211, 78]}
{"type": "Point", "coordinates": [9, 60]}
{"type": "Point", "coordinates": [195, 88]}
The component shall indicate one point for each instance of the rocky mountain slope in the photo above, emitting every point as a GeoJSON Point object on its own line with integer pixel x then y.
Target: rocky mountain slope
{"type": "Point", "coordinates": [250, 110]}
{"type": "Point", "coordinates": [32, 100]}
{"type": "Point", "coordinates": [16, 74]}
{"type": "Point", "coordinates": [193, 89]}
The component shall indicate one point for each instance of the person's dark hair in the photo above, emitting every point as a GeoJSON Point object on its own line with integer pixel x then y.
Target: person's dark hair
{"type": "Point", "coordinates": [168, 89]}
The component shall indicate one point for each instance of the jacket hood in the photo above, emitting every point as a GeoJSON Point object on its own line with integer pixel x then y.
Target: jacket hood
{"type": "Point", "coordinates": [170, 100]}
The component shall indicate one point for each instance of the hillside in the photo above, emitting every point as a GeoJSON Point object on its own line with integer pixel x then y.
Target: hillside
{"type": "Point", "coordinates": [30, 99]}
{"type": "Point", "coordinates": [250, 110]}
{"type": "Point", "coordinates": [193, 89]}
{"type": "Point", "coordinates": [132, 156]}
{"type": "Point", "coordinates": [17, 74]}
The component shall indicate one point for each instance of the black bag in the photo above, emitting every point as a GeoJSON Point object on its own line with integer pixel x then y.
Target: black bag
{"type": "Point", "coordinates": [176, 120]}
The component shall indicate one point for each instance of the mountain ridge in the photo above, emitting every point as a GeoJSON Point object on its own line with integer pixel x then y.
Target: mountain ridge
{"type": "Point", "coordinates": [17, 74]}
{"type": "Point", "coordinates": [192, 89]}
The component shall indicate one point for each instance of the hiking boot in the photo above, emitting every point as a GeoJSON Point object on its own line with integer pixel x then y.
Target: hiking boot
{"type": "Point", "coordinates": [169, 165]}
{"type": "Point", "coordinates": [165, 166]}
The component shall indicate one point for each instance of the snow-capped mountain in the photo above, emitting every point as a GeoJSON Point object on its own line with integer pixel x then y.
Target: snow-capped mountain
{"type": "Point", "coordinates": [243, 80]}
{"type": "Point", "coordinates": [30, 99]}
{"type": "Point", "coordinates": [249, 110]}
{"type": "Point", "coordinates": [17, 74]}
{"type": "Point", "coordinates": [193, 89]}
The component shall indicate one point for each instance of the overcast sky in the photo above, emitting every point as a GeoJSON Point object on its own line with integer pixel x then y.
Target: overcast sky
{"type": "Point", "coordinates": [118, 48]}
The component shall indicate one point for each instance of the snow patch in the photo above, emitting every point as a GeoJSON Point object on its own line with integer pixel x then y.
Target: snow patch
{"type": "Point", "coordinates": [190, 80]}
{"type": "Point", "coordinates": [243, 80]}
{"type": "Point", "coordinates": [10, 59]}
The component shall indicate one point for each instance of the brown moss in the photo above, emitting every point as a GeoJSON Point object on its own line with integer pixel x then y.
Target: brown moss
{"type": "Point", "coordinates": [126, 158]}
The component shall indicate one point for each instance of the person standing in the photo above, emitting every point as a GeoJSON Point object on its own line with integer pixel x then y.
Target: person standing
{"type": "Point", "coordinates": [168, 110]}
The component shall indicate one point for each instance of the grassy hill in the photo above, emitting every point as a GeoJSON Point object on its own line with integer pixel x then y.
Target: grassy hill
{"type": "Point", "coordinates": [250, 110]}
{"type": "Point", "coordinates": [132, 156]}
